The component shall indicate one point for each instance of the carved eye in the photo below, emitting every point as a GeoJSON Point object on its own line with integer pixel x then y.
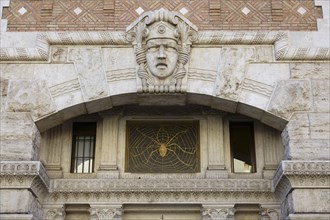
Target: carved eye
{"type": "Point", "coordinates": [153, 49]}
{"type": "Point", "coordinates": [171, 48]}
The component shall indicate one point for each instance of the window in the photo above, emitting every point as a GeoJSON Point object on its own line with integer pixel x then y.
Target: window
{"type": "Point", "coordinates": [83, 147]}
{"type": "Point", "coordinates": [242, 147]}
{"type": "Point", "coordinates": [162, 147]}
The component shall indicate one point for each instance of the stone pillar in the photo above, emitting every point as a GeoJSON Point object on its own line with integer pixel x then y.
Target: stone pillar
{"type": "Point", "coordinates": [218, 212]}
{"type": "Point", "coordinates": [106, 212]}
{"type": "Point", "coordinates": [216, 162]}
{"type": "Point", "coordinates": [108, 167]}
{"type": "Point", "coordinates": [54, 212]}
{"type": "Point", "coordinates": [54, 142]}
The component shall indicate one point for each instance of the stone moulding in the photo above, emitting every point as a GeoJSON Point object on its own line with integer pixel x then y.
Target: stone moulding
{"type": "Point", "coordinates": [159, 185]}
{"type": "Point", "coordinates": [283, 51]}
{"type": "Point", "coordinates": [25, 172]}
{"type": "Point", "coordinates": [301, 174]}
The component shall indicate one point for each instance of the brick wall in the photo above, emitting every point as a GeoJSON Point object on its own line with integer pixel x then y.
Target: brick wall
{"type": "Point", "coordinates": [99, 15]}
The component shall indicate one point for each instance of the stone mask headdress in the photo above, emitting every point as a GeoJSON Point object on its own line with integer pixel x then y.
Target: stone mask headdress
{"type": "Point", "coordinates": [161, 24]}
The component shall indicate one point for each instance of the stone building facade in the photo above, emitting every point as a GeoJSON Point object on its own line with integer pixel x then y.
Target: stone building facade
{"type": "Point", "coordinates": [136, 109]}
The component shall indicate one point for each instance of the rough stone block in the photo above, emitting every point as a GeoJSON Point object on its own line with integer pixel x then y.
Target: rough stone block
{"type": "Point", "coordinates": [298, 127]}
{"type": "Point", "coordinates": [291, 96]}
{"type": "Point", "coordinates": [30, 96]}
{"type": "Point", "coordinates": [304, 201]}
{"type": "Point", "coordinates": [320, 125]}
{"type": "Point", "coordinates": [321, 95]}
{"type": "Point", "coordinates": [14, 201]}
{"type": "Point", "coordinates": [310, 70]}
{"type": "Point", "coordinates": [309, 149]}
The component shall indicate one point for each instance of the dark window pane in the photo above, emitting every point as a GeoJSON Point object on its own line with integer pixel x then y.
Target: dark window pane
{"type": "Point", "coordinates": [242, 147]}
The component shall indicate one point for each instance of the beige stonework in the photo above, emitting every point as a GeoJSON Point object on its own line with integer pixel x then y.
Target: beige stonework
{"type": "Point", "coordinates": [50, 80]}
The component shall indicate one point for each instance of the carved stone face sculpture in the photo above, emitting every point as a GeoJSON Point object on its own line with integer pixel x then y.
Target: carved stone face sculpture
{"type": "Point", "coordinates": [162, 57]}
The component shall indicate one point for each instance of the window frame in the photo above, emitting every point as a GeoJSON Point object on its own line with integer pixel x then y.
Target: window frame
{"type": "Point", "coordinates": [252, 144]}
{"type": "Point", "coordinates": [92, 132]}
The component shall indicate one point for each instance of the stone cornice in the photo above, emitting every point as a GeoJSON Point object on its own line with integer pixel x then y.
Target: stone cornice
{"type": "Point", "coordinates": [301, 174]}
{"type": "Point", "coordinates": [23, 174]}
{"type": "Point", "coordinates": [283, 51]}
{"type": "Point", "coordinates": [301, 168]}
{"type": "Point", "coordinates": [160, 185]}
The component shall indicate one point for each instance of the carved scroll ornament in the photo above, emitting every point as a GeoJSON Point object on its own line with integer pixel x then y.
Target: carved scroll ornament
{"type": "Point", "coordinates": [162, 41]}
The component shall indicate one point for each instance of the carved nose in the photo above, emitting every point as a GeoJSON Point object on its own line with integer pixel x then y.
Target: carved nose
{"type": "Point", "coordinates": [161, 53]}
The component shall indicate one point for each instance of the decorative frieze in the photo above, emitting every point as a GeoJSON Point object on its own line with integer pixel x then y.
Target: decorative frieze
{"type": "Point", "coordinates": [301, 174]}
{"type": "Point", "coordinates": [24, 175]}
{"type": "Point", "coordinates": [283, 50]}
{"type": "Point", "coordinates": [159, 185]}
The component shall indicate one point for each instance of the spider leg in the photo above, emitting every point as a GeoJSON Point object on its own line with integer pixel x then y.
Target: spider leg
{"type": "Point", "coordinates": [177, 157]}
{"type": "Point", "coordinates": [177, 135]}
{"type": "Point", "coordinates": [146, 161]}
{"type": "Point", "coordinates": [136, 155]}
{"type": "Point", "coordinates": [146, 136]}
{"type": "Point", "coordinates": [186, 152]}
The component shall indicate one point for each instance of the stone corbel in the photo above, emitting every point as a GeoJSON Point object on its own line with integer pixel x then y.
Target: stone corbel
{"type": "Point", "coordinates": [218, 213]}
{"type": "Point", "coordinates": [106, 212]}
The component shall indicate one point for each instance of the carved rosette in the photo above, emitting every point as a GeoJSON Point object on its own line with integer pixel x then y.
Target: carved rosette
{"type": "Point", "coordinates": [161, 27]}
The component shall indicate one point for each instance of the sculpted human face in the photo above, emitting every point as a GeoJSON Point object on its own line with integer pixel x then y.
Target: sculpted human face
{"type": "Point", "coordinates": [162, 57]}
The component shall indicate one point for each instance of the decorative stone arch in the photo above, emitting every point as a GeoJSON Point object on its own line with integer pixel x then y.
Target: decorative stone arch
{"type": "Point", "coordinates": [102, 104]}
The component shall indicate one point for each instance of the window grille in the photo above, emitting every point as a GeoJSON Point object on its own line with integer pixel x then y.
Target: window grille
{"type": "Point", "coordinates": [162, 147]}
{"type": "Point", "coordinates": [83, 147]}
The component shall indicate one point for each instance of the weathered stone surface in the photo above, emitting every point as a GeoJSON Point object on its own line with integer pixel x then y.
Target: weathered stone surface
{"type": "Point", "coordinates": [290, 96]}
{"type": "Point", "coordinates": [264, 54]}
{"type": "Point", "coordinates": [232, 67]}
{"type": "Point", "coordinates": [19, 137]}
{"type": "Point", "coordinates": [30, 95]}
{"type": "Point", "coordinates": [59, 54]}
{"type": "Point", "coordinates": [308, 150]}
{"type": "Point", "coordinates": [321, 95]}
{"type": "Point", "coordinates": [268, 73]}
{"type": "Point", "coordinates": [320, 125]}
{"type": "Point", "coordinates": [56, 75]}
{"type": "Point", "coordinates": [305, 200]}
{"type": "Point", "coordinates": [89, 65]}
{"type": "Point", "coordinates": [17, 71]}
{"type": "Point", "coordinates": [298, 127]}
{"type": "Point", "coordinates": [18, 205]}
{"type": "Point", "coordinates": [310, 70]}
{"type": "Point", "coordinates": [3, 86]}
{"type": "Point", "coordinates": [113, 58]}
{"type": "Point", "coordinates": [203, 67]}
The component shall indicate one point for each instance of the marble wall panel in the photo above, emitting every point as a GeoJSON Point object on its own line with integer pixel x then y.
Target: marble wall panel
{"type": "Point", "coordinates": [90, 70]}
{"type": "Point", "coordinates": [231, 71]}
